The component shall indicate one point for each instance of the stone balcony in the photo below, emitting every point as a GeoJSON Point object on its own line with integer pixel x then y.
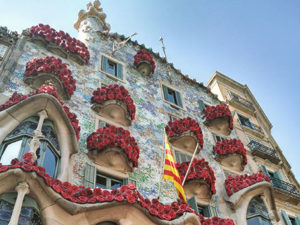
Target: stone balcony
{"type": "Point", "coordinates": [263, 151]}
{"type": "Point", "coordinates": [240, 102]}
{"type": "Point", "coordinates": [285, 191]}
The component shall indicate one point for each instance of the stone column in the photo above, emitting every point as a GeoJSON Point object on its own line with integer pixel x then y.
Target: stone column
{"type": "Point", "coordinates": [34, 143]}
{"type": "Point", "coordinates": [22, 189]}
{"type": "Point", "coordinates": [270, 212]}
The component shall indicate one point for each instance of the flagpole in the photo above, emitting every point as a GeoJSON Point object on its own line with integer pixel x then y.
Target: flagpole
{"type": "Point", "coordinates": [163, 165]}
{"type": "Point", "coordinates": [188, 170]}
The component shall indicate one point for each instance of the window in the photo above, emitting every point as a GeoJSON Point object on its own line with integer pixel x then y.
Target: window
{"type": "Point", "coordinates": [29, 213]}
{"type": "Point", "coordinates": [94, 178]}
{"type": "Point", "coordinates": [112, 68]}
{"type": "Point", "coordinates": [293, 221]}
{"type": "Point", "coordinates": [3, 50]}
{"type": "Point", "coordinates": [257, 213]}
{"type": "Point", "coordinates": [245, 121]}
{"type": "Point", "coordinates": [106, 182]}
{"type": "Point", "coordinates": [182, 157]}
{"type": "Point", "coordinates": [172, 96]}
{"type": "Point", "coordinates": [172, 118]}
{"type": "Point", "coordinates": [290, 220]}
{"type": "Point", "coordinates": [206, 211]}
{"type": "Point", "coordinates": [17, 143]}
{"type": "Point", "coordinates": [218, 138]}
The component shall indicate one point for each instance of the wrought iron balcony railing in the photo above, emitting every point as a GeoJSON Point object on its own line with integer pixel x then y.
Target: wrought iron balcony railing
{"type": "Point", "coordinates": [263, 151]}
{"type": "Point", "coordinates": [240, 100]}
{"type": "Point", "coordinates": [285, 186]}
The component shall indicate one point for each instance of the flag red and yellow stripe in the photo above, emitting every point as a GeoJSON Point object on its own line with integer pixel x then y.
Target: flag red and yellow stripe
{"type": "Point", "coordinates": [170, 171]}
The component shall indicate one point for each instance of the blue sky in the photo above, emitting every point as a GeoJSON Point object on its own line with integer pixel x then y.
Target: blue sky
{"type": "Point", "coordinates": [254, 42]}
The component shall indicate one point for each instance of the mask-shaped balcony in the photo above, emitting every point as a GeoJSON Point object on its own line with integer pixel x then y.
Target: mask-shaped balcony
{"type": "Point", "coordinates": [114, 149]}
{"type": "Point", "coordinates": [231, 154]}
{"type": "Point", "coordinates": [200, 181]}
{"type": "Point", "coordinates": [185, 134]}
{"type": "Point", "coordinates": [218, 119]}
{"type": "Point", "coordinates": [114, 103]}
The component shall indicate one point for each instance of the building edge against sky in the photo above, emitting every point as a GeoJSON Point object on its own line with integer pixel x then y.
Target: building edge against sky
{"type": "Point", "coordinates": [71, 96]}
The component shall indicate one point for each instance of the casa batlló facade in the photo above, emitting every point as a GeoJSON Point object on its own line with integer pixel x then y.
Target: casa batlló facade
{"type": "Point", "coordinates": [82, 136]}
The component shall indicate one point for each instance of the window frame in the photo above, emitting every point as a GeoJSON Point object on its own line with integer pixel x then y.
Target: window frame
{"type": "Point", "coordinates": [124, 69]}
{"type": "Point", "coordinates": [177, 151]}
{"type": "Point", "coordinates": [223, 138]}
{"type": "Point", "coordinates": [175, 90]}
{"type": "Point", "coordinates": [44, 142]}
{"type": "Point", "coordinates": [172, 117]}
{"type": "Point", "coordinates": [98, 119]}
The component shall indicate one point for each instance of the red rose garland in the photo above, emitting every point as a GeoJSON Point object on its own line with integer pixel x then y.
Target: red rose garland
{"type": "Point", "coordinates": [83, 195]}
{"type": "Point", "coordinates": [199, 170]}
{"type": "Point", "coordinates": [114, 137]}
{"type": "Point", "coordinates": [114, 92]}
{"type": "Point", "coordinates": [61, 39]}
{"type": "Point", "coordinates": [215, 221]}
{"type": "Point", "coordinates": [177, 127]}
{"type": "Point", "coordinates": [229, 147]}
{"type": "Point", "coordinates": [234, 184]}
{"type": "Point", "coordinates": [213, 112]}
{"type": "Point", "coordinates": [45, 89]}
{"type": "Point", "coordinates": [144, 55]}
{"type": "Point", "coordinates": [55, 66]}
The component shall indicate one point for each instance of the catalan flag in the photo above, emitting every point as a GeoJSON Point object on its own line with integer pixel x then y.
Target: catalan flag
{"type": "Point", "coordinates": [170, 171]}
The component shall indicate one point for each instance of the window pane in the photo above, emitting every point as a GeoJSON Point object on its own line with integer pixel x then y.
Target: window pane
{"type": "Point", "coordinates": [253, 221]}
{"type": "Point", "coordinates": [101, 182]}
{"type": "Point", "coordinates": [265, 222]}
{"type": "Point", "coordinates": [171, 96]}
{"type": "Point", "coordinates": [11, 151]}
{"type": "Point", "coordinates": [49, 162]}
{"type": "Point", "coordinates": [115, 184]}
{"type": "Point", "coordinates": [112, 68]}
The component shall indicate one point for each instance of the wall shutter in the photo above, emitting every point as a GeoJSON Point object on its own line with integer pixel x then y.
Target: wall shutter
{"type": "Point", "coordinates": [127, 181]}
{"type": "Point", "coordinates": [102, 124]}
{"type": "Point", "coordinates": [277, 175]}
{"type": "Point", "coordinates": [297, 220]}
{"type": "Point", "coordinates": [265, 171]}
{"type": "Point", "coordinates": [212, 211]}
{"type": "Point", "coordinates": [193, 203]}
{"type": "Point", "coordinates": [165, 90]}
{"type": "Point", "coordinates": [178, 98]}
{"type": "Point", "coordinates": [89, 179]}
{"type": "Point", "coordinates": [119, 71]}
{"type": "Point", "coordinates": [285, 218]}
{"type": "Point", "coordinates": [104, 64]}
{"type": "Point", "coordinates": [201, 105]}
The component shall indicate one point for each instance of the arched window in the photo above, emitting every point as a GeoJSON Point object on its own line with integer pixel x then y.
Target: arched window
{"type": "Point", "coordinates": [257, 213]}
{"type": "Point", "coordinates": [29, 213]}
{"type": "Point", "coordinates": [17, 143]}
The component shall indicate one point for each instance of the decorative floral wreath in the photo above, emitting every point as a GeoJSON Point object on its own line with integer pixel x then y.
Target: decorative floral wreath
{"type": "Point", "coordinates": [229, 147]}
{"type": "Point", "coordinates": [55, 66]}
{"type": "Point", "coordinates": [215, 221]}
{"type": "Point", "coordinates": [45, 89]}
{"type": "Point", "coordinates": [83, 195]}
{"type": "Point", "coordinates": [234, 184]}
{"type": "Point", "coordinates": [61, 39]}
{"type": "Point", "coordinates": [114, 92]}
{"type": "Point", "coordinates": [218, 111]}
{"type": "Point", "coordinates": [177, 127]}
{"type": "Point", "coordinates": [144, 55]}
{"type": "Point", "coordinates": [199, 170]}
{"type": "Point", "coordinates": [126, 193]}
{"type": "Point", "coordinates": [114, 137]}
